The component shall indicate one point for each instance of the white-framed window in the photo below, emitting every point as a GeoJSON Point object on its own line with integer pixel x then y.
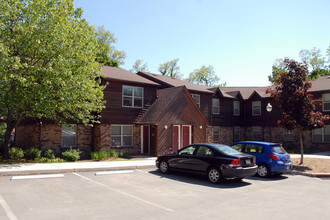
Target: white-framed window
{"type": "Point", "coordinates": [121, 135]}
{"type": "Point", "coordinates": [287, 135]}
{"type": "Point", "coordinates": [69, 134]}
{"type": "Point", "coordinates": [326, 102]}
{"type": "Point", "coordinates": [216, 134]}
{"type": "Point", "coordinates": [256, 108]}
{"type": "Point", "coordinates": [237, 133]}
{"type": "Point", "coordinates": [197, 99]}
{"type": "Point", "coordinates": [216, 106]}
{"type": "Point", "coordinates": [236, 108]}
{"type": "Point", "coordinates": [256, 133]}
{"type": "Point", "coordinates": [132, 97]}
{"type": "Point", "coordinates": [321, 135]}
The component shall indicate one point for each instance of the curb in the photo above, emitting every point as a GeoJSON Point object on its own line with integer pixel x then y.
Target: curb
{"type": "Point", "coordinates": [318, 175]}
{"type": "Point", "coordinates": [70, 170]}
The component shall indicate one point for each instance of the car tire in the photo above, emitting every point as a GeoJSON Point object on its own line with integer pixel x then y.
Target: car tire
{"type": "Point", "coordinates": [263, 170]}
{"type": "Point", "coordinates": [214, 175]}
{"type": "Point", "coordinates": [163, 167]}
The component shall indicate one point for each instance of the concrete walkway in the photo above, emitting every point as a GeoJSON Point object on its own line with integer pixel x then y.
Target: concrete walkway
{"type": "Point", "coordinates": [139, 162]}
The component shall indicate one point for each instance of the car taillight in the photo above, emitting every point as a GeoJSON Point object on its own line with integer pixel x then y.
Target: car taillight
{"type": "Point", "coordinates": [273, 156]}
{"type": "Point", "coordinates": [254, 159]}
{"type": "Point", "coordinates": [236, 162]}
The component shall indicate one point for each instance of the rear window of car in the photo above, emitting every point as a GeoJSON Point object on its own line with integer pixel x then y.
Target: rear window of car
{"type": "Point", "coordinates": [278, 149]}
{"type": "Point", "coordinates": [226, 149]}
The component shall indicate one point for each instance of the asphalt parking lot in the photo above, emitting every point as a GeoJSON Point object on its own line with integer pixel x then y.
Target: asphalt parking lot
{"type": "Point", "coordinates": [147, 194]}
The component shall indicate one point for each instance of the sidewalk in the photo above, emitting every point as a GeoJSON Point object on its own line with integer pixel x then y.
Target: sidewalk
{"type": "Point", "coordinates": [51, 168]}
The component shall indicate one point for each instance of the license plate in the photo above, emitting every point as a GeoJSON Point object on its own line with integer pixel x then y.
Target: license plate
{"type": "Point", "coordinates": [247, 161]}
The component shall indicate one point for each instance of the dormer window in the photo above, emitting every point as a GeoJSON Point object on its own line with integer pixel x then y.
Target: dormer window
{"type": "Point", "coordinates": [132, 97]}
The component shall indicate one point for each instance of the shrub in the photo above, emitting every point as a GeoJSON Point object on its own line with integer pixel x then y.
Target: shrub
{"type": "Point", "coordinates": [125, 154]}
{"type": "Point", "coordinates": [16, 153]}
{"type": "Point", "coordinates": [32, 153]}
{"type": "Point", "coordinates": [47, 160]}
{"type": "Point", "coordinates": [99, 155]}
{"type": "Point", "coordinates": [49, 154]}
{"type": "Point", "coordinates": [114, 154]}
{"type": "Point", "coordinates": [71, 155]}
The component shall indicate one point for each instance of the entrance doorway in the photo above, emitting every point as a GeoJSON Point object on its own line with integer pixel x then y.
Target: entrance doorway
{"type": "Point", "coordinates": [145, 139]}
{"type": "Point", "coordinates": [186, 135]}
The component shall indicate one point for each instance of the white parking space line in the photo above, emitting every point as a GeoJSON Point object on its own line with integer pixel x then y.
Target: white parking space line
{"type": "Point", "coordinates": [126, 194]}
{"type": "Point", "coordinates": [114, 172]}
{"type": "Point", "coordinates": [7, 209]}
{"type": "Point", "coordinates": [37, 176]}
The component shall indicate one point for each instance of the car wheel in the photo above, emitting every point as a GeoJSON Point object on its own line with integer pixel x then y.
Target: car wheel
{"type": "Point", "coordinates": [214, 175]}
{"type": "Point", "coordinates": [263, 170]}
{"type": "Point", "coordinates": [163, 167]}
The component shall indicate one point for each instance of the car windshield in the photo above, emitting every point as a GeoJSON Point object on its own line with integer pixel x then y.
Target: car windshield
{"type": "Point", "coordinates": [278, 149]}
{"type": "Point", "coordinates": [226, 149]}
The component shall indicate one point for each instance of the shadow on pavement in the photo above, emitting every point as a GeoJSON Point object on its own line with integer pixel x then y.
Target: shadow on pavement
{"type": "Point", "coordinates": [267, 179]}
{"type": "Point", "coordinates": [200, 180]}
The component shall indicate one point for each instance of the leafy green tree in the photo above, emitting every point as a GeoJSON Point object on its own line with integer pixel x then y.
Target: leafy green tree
{"type": "Point", "coordinates": [138, 66]}
{"type": "Point", "coordinates": [313, 58]}
{"type": "Point", "coordinates": [47, 64]}
{"type": "Point", "coordinates": [319, 72]}
{"type": "Point", "coordinates": [277, 69]}
{"type": "Point", "coordinates": [106, 51]}
{"type": "Point", "coordinates": [170, 68]}
{"type": "Point", "coordinates": [297, 105]}
{"type": "Point", "coordinates": [204, 76]}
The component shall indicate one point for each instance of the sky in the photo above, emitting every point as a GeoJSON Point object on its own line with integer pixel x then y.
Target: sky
{"type": "Point", "coordinates": [241, 39]}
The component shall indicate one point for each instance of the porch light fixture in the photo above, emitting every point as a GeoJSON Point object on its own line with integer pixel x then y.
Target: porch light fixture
{"type": "Point", "coordinates": [269, 107]}
{"type": "Point", "coordinates": [200, 127]}
{"type": "Point", "coordinates": [165, 126]}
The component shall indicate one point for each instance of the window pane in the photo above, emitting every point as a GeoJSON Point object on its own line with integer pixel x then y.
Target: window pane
{"type": "Point", "coordinates": [326, 106]}
{"type": "Point", "coordinates": [115, 141]}
{"type": "Point", "coordinates": [138, 92]}
{"type": "Point", "coordinates": [326, 97]}
{"type": "Point", "coordinates": [127, 101]}
{"type": "Point", "coordinates": [137, 102]}
{"type": "Point", "coordinates": [128, 91]}
{"type": "Point", "coordinates": [317, 135]}
{"type": "Point", "coordinates": [188, 151]}
{"type": "Point", "coordinates": [115, 130]}
{"type": "Point", "coordinates": [127, 130]}
{"type": "Point", "coordinates": [216, 134]}
{"type": "Point", "coordinates": [68, 136]}
{"type": "Point", "coordinates": [327, 134]}
{"type": "Point", "coordinates": [127, 140]}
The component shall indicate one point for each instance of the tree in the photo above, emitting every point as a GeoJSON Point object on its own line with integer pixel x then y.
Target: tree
{"type": "Point", "coordinates": [137, 67]}
{"type": "Point", "coordinates": [277, 70]}
{"type": "Point", "coordinates": [170, 68]}
{"type": "Point", "coordinates": [47, 64]}
{"type": "Point", "coordinates": [297, 105]}
{"type": "Point", "coordinates": [204, 76]}
{"type": "Point", "coordinates": [312, 58]}
{"type": "Point", "coordinates": [106, 52]}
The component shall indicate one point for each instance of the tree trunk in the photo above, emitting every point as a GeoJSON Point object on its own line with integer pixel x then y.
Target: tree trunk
{"type": "Point", "coordinates": [301, 148]}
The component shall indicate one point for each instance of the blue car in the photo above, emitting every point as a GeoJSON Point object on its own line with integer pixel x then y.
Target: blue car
{"type": "Point", "coordinates": [271, 158]}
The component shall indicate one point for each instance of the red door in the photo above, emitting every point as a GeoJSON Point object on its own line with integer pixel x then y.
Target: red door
{"type": "Point", "coordinates": [145, 140]}
{"type": "Point", "coordinates": [186, 135]}
{"type": "Point", "coordinates": [176, 137]}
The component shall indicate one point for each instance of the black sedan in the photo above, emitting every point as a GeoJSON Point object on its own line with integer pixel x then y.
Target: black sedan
{"type": "Point", "coordinates": [215, 160]}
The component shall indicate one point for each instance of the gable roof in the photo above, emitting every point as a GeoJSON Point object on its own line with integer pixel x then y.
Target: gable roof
{"type": "Point", "coordinates": [247, 92]}
{"type": "Point", "coordinates": [118, 74]}
{"type": "Point", "coordinates": [175, 82]}
{"type": "Point", "coordinates": [321, 84]}
{"type": "Point", "coordinates": [164, 103]}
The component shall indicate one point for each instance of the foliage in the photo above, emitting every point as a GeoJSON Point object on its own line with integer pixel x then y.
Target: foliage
{"type": "Point", "coordinates": [32, 153]}
{"type": "Point", "coordinates": [106, 52]}
{"type": "Point", "coordinates": [204, 76]}
{"type": "Point", "coordinates": [49, 154]}
{"type": "Point", "coordinates": [277, 69]}
{"type": "Point", "coordinates": [319, 72]}
{"type": "Point", "coordinates": [2, 132]}
{"type": "Point", "coordinates": [99, 155]}
{"type": "Point", "coordinates": [170, 68]}
{"type": "Point", "coordinates": [48, 68]}
{"type": "Point", "coordinates": [297, 105]}
{"type": "Point", "coordinates": [125, 154]}
{"type": "Point", "coordinates": [16, 153]}
{"type": "Point", "coordinates": [114, 154]}
{"type": "Point", "coordinates": [47, 160]}
{"type": "Point", "coordinates": [71, 155]}
{"type": "Point", "coordinates": [312, 58]}
{"type": "Point", "coordinates": [139, 67]}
